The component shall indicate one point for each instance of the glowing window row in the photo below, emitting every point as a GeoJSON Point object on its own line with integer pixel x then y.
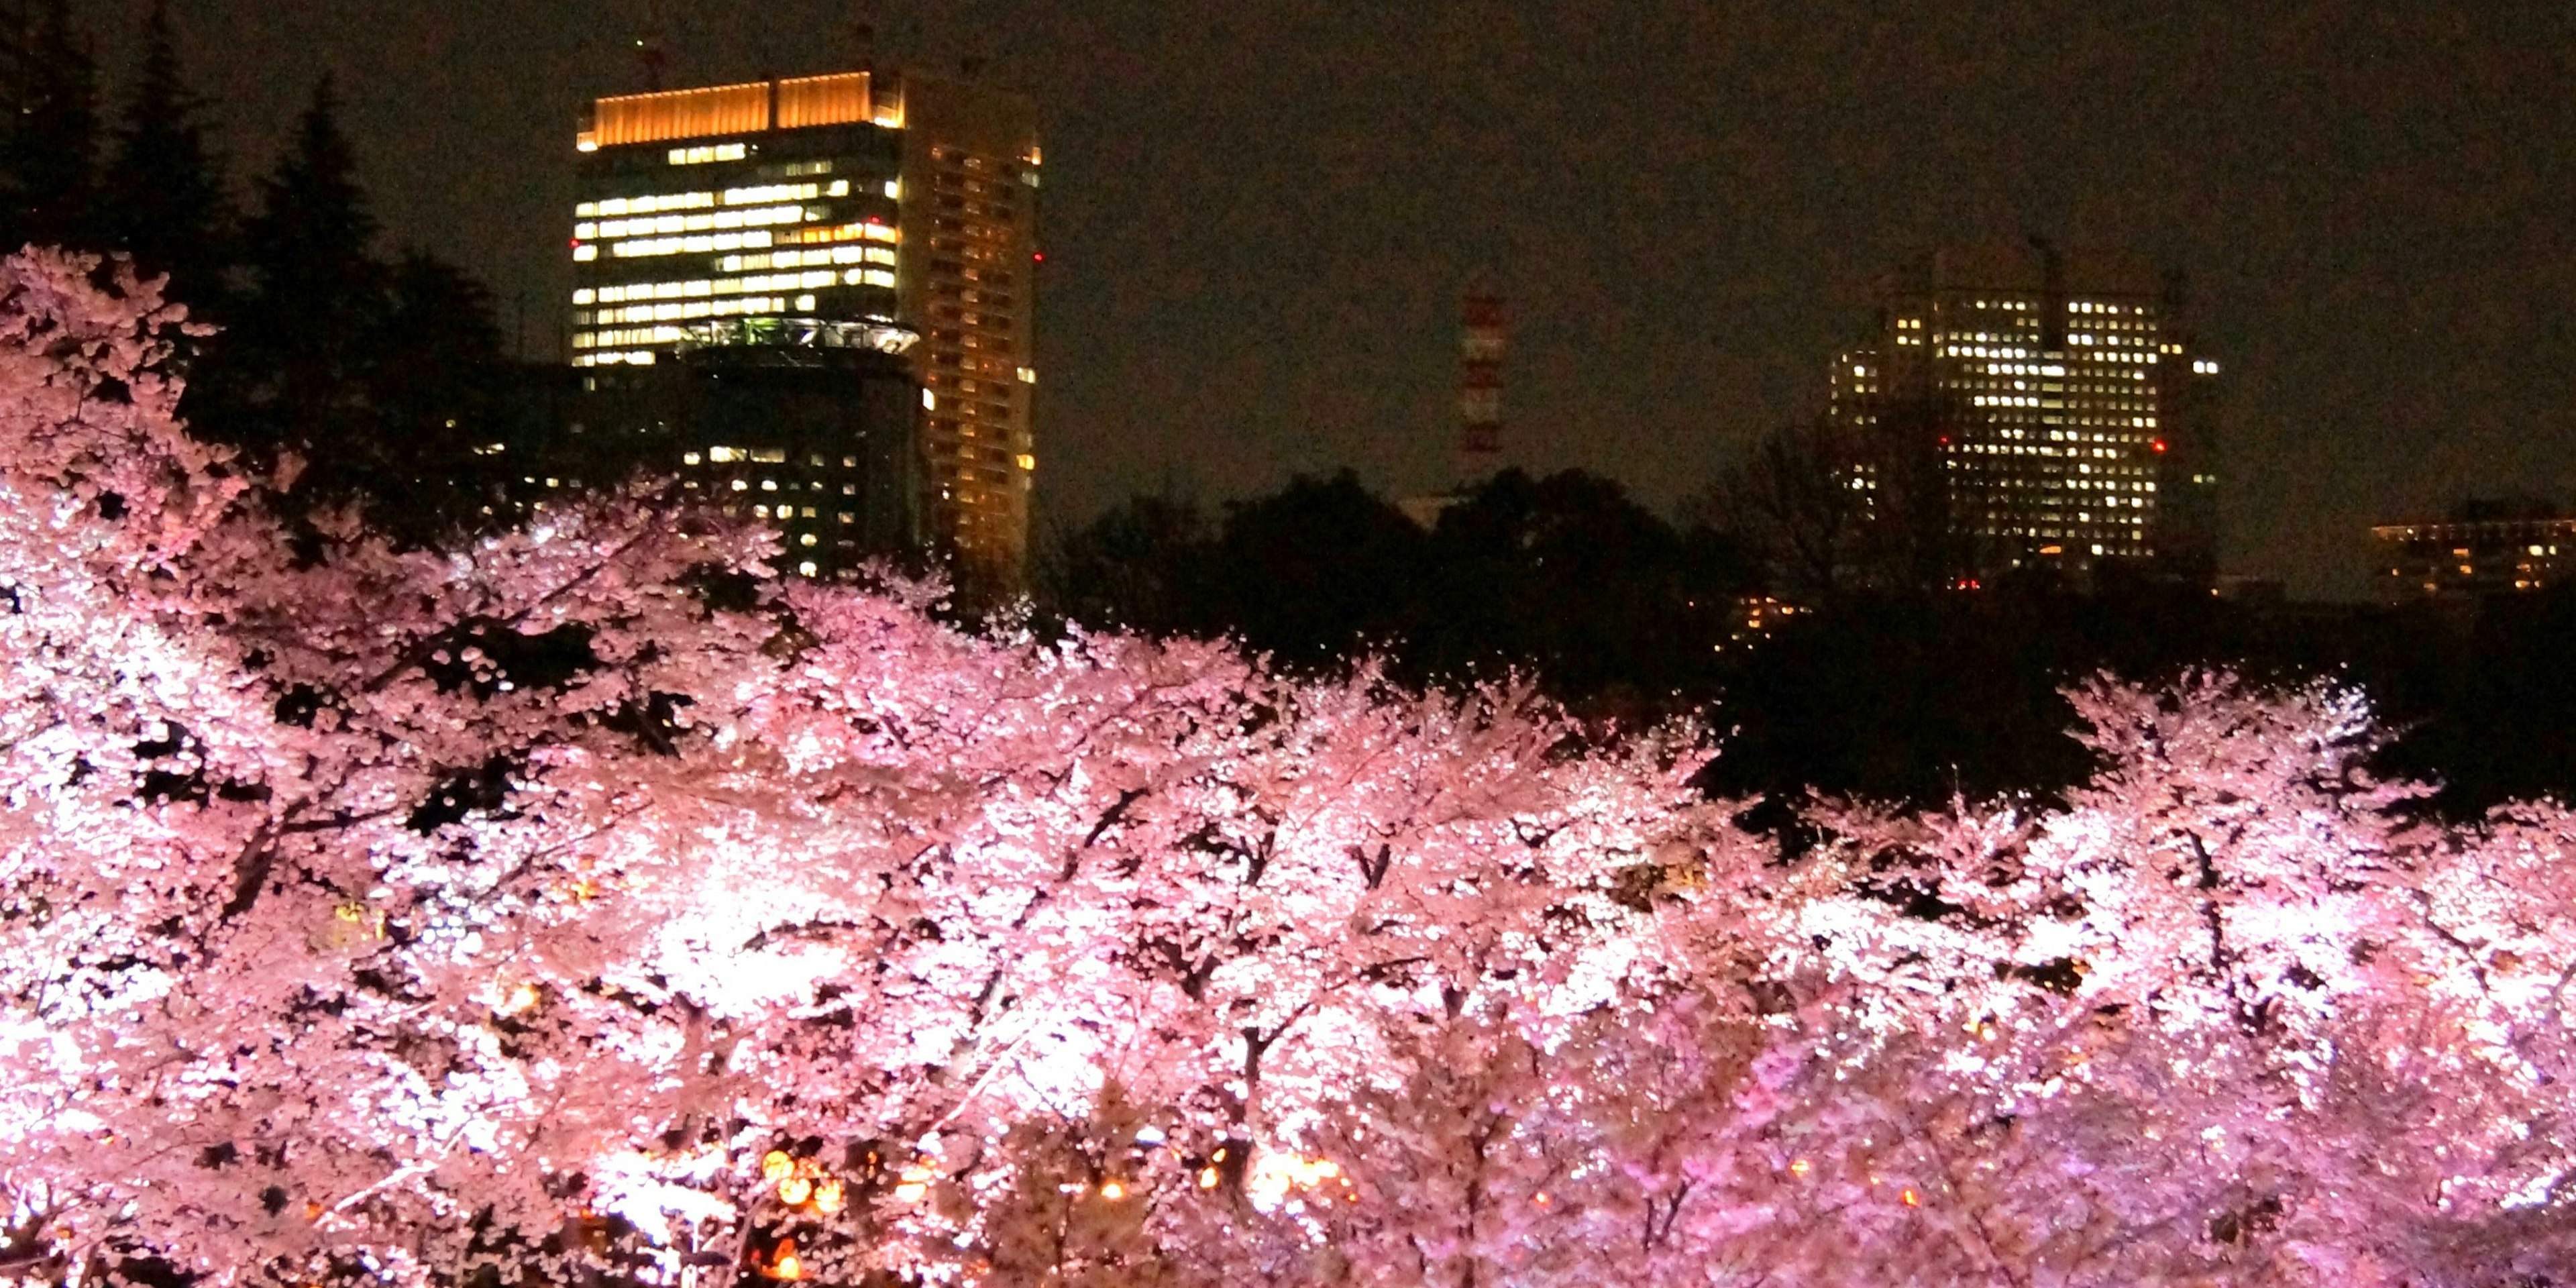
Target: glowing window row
{"type": "Point", "coordinates": [759, 217]}
{"type": "Point", "coordinates": [710, 152]}
{"type": "Point", "coordinates": [638, 357]}
{"type": "Point", "coordinates": [627, 335]}
{"type": "Point", "coordinates": [722, 455]}
{"type": "Point", "coordinates": [790, 512]}
{"type": "Point", "coordinates": [809, 258]}
{"type": "Point", "coordinates": [753, 305]}
{"type": "Point", "coordinates": [705, 286]}
{"type": "Point", "coordinates": [767, 194]}
{"type": "Point", "coordinates": [846, 232]}
{"type": "Point", "coordinates": [678, 245]}
{"type": "Point", "coordinates": [664, 311]}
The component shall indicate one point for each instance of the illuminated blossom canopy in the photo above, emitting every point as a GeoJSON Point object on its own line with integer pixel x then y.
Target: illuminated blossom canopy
{"type": "Point", "coordinates": [584, 903]}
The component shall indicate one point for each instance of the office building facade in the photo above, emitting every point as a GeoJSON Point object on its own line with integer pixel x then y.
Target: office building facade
{"type": "Point", "coordinates": [2069, 418]}
{"type": "Point", "coordinates": [861, 211]}
{"type": "Point", "coordinates": [2482, 549]}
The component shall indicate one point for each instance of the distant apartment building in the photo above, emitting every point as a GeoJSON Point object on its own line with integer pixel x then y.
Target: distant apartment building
{"type": "Point", "coordinates": [2484, 548]}
{"type": "Point", "coordinates": [829, 223]}
{"type": "Point", "coordinates": [2066, 413]}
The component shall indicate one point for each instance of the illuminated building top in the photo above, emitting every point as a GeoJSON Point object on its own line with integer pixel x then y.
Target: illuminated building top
{"type": "Point", "coordinates": [760, 212]}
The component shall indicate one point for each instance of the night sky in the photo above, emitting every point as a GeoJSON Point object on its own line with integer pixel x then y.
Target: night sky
{"type": "Point", "coordinates": [1259, 215]}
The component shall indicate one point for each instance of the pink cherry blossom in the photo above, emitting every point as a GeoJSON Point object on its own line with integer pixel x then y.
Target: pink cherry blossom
{"type": "Point", "coordinates": [586, 903]}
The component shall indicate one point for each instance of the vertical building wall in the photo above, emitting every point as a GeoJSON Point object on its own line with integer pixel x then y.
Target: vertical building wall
{"type": "Point", "coordinates": [968, 283]}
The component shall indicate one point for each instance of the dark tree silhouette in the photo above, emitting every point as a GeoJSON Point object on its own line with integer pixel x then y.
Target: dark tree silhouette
{"type": "Point", "coordinates": [1318, 570]}
{"type": "Point", "coordinates": [1793, 504]}
{"type": "Point", "coordinates": [436, 390]}
{"type": "Point", "coordinates": [317, 296]}
{"type": "Point", "coordinates": [163, 196]}
{"type": "Point", "coordinates": [49, 144]}
{"type": "Point", "coordinates": [1568, 577]}
{"type": "Point", "coordinates": [1142, 566]}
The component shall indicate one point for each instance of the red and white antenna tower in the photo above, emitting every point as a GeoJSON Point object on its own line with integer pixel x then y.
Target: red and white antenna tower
{"type": "Point", "coordinates": [1480, 385]}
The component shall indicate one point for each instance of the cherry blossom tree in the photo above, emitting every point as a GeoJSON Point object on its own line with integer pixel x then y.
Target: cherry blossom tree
{"type": "Point", "coordinates": [585, 904]}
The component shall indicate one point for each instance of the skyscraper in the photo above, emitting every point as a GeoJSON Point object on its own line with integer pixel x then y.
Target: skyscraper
{"type": "Point", "coordinates": [867, 210]}
{"type": "Point", "coordinates": [2058, 400]}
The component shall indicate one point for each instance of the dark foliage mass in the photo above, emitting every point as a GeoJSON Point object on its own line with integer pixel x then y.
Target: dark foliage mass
{"type": "Point", "coordinates": [383, 376]}
{"type": "Point", "coordinates": [1897, 691]}
{"type": "Point", "coordinates": [1564, 577]}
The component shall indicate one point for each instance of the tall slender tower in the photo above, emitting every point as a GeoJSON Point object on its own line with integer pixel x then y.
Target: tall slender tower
{"type": "Point", "coordinates": [1480, 387]}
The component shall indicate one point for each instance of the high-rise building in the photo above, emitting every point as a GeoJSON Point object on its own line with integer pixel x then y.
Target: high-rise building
{"type": "Point", "coordinates": [867, 210]}
{"type": "Point", "coordinates": [2061, 404]}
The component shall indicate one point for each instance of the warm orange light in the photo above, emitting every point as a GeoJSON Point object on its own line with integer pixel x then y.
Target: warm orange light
{"type": "Point", "coordinates": [1801, 1167]}
{"type": "Point", "coordinates": [1207, 1178]}
{"type": "Point", "coordinates": [776, 1166]}
{"type": "Point", "coordinates": [682, 114]}
{"type": "Point", "coordinates": [1112, 1191]}
{"type": "Point", "coordinates": [795, 1190]}
{"type": "Point", "coordinates": [1541, 1198]}
{"type": "Point", "coordinates": [788, 1265]}
{"type": "Point", "coordinates": [1911, 1199]}
{"type": "Point", "coordinates": [827, 1196]}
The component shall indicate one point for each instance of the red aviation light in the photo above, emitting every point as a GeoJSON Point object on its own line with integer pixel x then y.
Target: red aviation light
{"type": "Point", "coordinates": [2159, 445]}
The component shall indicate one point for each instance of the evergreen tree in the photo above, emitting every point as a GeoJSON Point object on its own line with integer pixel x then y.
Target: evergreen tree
{"type": "Point", "coordinates": [317, 298]}
{"type": "Point", "coordinates": [435, 384]}
{"type": "Point", "coordinates": [49, 147]}
{"type": "Point", "coordinates": [163, 198]}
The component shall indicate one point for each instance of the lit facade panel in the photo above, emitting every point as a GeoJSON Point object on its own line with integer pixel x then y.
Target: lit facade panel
{"type": "Point", "coordinates": [971, 180]}
{"type": "Point", "coordinates": [774, 224]}
{"type": "Point", "coordinates": [678, 114]}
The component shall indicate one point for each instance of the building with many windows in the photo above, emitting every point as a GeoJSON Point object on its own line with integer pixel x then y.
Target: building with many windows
{"type": "Point", "coordinates": [2483, 548]}
{"type": "Point", "coordinates": [817, 434]}
{"type": "Point", "coordinates": [872, 210]}
{"type": "Point", "coordinates": [2066, 414]}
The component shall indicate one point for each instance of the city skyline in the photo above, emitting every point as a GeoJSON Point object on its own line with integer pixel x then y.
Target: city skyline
{"type": "Point", "coordinates": [2355, 193]}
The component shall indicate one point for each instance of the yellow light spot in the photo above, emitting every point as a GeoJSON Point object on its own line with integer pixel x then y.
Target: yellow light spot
{"type": "Point", "coordinates": [1910, 1198]}
{"type": "Point", "coordinates": [776, 1166]}
{"type": "Point", "coordinates": [795, 1190]}
{"type": "Point", "coordinates": [1112, 1191]}
{"type": "Point", "coordinates": [911, 1191]}
{"type": "Point", "coordinates": [1207, 1178]}
{"type": "Point", "coordinates": [1801, 1167]}
{"type": "Point", "coordinates": [788, 1265]}
{"type": "Point", "coordinates": [827, 1196]}
{"type": "Point", "coordinates": [1541, 1198]}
